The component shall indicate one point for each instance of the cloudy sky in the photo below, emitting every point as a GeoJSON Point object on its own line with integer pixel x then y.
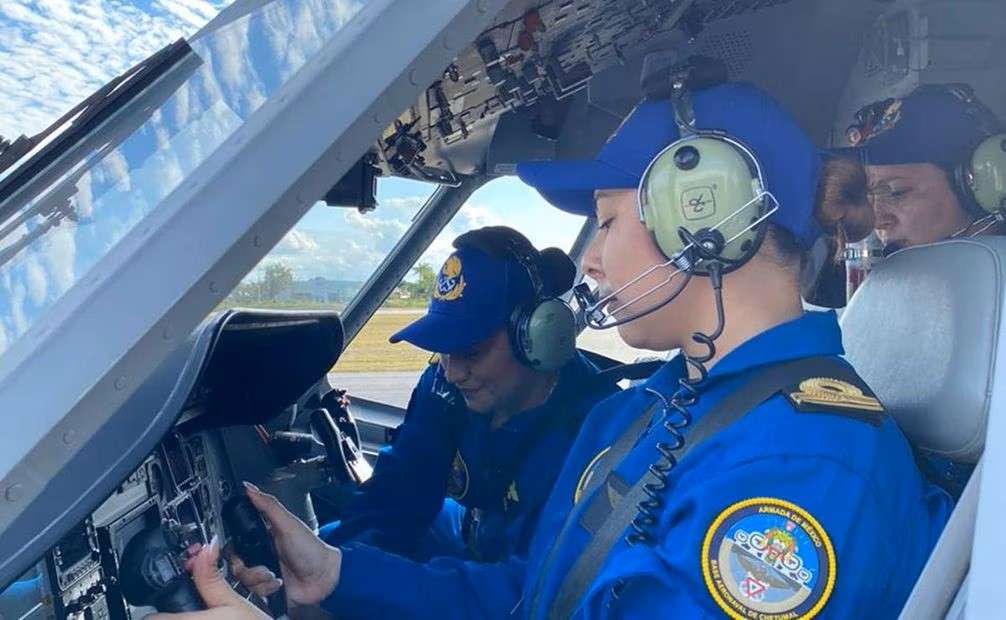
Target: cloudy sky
{"type": "Point", "coordinates": [53, 53]}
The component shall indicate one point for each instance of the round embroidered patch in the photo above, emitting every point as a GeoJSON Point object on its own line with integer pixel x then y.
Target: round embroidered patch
{"type": "Point", "coordinates": [769, 559]}
{"type": "Point", "coordinates": [457, 481]}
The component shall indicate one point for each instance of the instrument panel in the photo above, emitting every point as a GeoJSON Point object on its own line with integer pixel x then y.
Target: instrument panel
{"type": "Point", "coordinates": [174, 499]}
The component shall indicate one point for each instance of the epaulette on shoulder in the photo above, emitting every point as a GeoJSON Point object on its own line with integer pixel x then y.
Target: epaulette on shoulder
{"type": "Point", "coordinates": [829, 395]}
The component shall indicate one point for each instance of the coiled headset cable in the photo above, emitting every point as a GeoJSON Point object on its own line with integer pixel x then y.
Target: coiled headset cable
{"type": "Point", "coordinates": [677, 416]}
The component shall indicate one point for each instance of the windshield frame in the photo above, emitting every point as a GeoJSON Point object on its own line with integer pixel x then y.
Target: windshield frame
{"type": "Point", "coordinates": [309, 133]}
{"type": "Point", "coordinates": [55, 148]}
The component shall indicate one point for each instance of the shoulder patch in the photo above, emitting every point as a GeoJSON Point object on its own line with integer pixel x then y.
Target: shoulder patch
{"type": "Point", "coordinates": [837, 396]}
{"type": "Point", "coordinates": [770, 559]}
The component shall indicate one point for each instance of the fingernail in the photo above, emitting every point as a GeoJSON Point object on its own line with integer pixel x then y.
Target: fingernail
{"type": "Point", "coordinates": [251, 487]}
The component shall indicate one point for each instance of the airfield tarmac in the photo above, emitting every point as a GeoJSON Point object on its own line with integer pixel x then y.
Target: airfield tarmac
{"type": "Point", "coordinates": [375, 369]}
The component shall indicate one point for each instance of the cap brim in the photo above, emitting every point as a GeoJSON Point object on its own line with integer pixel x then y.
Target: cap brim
{"type": "Point", "coordinates": [856, 153]}
{"type": "Point", "coordinates": [570, 185]}
{"type": "Point", "coordinates": [444, 333]}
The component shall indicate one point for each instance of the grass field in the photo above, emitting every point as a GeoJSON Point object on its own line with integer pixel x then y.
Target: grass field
{"type": "Point", "coordinates": [370, 351]}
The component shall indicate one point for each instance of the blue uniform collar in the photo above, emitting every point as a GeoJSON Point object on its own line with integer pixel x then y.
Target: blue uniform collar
{"type": "Point", "coordinates": [568, 390]}
{"type": "Point", "coordinates": [809, 335]}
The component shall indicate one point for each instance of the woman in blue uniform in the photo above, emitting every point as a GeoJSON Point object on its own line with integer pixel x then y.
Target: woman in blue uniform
{"type": "Point", "coordinates": [489, 424]}
{"type": "Point", "coordinates": [754, 476]}
{"type": "Point", "coordinates": [766, 481]}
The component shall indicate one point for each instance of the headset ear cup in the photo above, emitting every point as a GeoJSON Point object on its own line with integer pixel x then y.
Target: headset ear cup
{"type": "Point", "coordinates": [699, 184]}
{"type": "Point", "coordinates": [516, 330]}
{"type": "Point", "coordinates": [544, 336]}
{"type": "Point", "coordinates": [962, 189]}
{"type": "Point", "coordinates": [983, 177]}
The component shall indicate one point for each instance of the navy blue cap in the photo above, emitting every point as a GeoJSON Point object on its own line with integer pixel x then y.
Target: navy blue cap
{"type": "Point", "coordinates": [474, 296]}
{"type": "Point", "coordinates": [934, 124]}
{"type": "Point", "coordinates": [790, 161]}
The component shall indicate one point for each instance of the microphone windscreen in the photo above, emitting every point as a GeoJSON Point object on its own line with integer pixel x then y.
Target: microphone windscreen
{"type": "Point", "coordinates": [558, 271]}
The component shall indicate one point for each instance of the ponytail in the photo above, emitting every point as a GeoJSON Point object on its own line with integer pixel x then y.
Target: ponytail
{"type": "Point", "coordinates": [842, 207]}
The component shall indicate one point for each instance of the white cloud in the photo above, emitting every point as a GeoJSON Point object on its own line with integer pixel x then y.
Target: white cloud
{"type": "Point", "coordinates": [18, 317]}
{"type": "Point", "coordinates": [350, 247]}
{"type": "Point", "coordinates": [296, 242]}
{"type": "Point", "coordinates": [59, 257]}
{"type": "Point", "coordinates": [194, 13]}
{"type": "Point", "coordinates": [38, 285]}
{"type": "Point", "coordinates": [355, 244]}
{"type": "Point", "coordinates": [53, 53]}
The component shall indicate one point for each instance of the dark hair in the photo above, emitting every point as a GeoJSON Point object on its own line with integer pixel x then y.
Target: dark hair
{"type": "Point", "coordinates": [785, 246]}
{"type": "Point", "coordinates": [841, 209]}
{"type": "Point", "coordinates": [555, 268]}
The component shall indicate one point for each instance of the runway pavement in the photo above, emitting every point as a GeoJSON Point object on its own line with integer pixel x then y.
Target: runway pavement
{"type": "Point", "coordinates": [392, 388]}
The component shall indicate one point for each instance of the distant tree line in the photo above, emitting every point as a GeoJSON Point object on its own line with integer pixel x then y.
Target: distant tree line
{"type": "Point", "coordinates": [422, 287]}
{"type": "Point", "coordinates": [276, 281]}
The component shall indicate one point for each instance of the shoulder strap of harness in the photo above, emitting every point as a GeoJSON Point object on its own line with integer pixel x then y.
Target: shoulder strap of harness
{"type": "Point", "coordinates": [610, 513]}
{"type": "Point", "coordinates": [614, 371]}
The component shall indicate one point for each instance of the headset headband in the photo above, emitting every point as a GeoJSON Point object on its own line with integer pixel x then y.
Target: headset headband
{"type": "Point", "coordinates": [502, 242]}
{"type": "Point", "coordinates": [988, 121]}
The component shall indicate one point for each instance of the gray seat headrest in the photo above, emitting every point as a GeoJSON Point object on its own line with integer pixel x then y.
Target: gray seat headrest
{"type": "Point", "coordinates": [924, 331]}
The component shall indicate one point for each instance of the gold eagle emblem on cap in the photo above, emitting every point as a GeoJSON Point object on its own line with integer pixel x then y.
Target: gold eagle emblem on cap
{"type": "Point", "coordinates": [450, 281]}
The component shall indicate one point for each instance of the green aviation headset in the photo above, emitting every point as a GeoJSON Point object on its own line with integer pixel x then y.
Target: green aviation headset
{"type": "Point", "coordinates": [542, 332]}
{"type": "Point", "coordinates": [981, 177]}
{"type": "Point", "coordinates": [704, 196]}
{"type": "Point", "coordinates": [984, 175]}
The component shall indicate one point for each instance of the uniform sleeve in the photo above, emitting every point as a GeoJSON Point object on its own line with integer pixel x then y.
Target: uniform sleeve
{"type": "Point", "coordinates": [406, 491]}
{"type": "Point", "coordinates": [774, 533]}
{"type": "Point", "coordinates": [376, 584]}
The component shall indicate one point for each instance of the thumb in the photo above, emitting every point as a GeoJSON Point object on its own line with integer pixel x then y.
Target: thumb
{"type": "Point", "coordinates": [276, 515]}
{"type": "Point", "coordinates": [210, 582]}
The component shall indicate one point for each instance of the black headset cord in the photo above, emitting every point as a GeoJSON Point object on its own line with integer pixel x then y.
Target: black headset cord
{"type": "Point", "coordinates": [676, 418]}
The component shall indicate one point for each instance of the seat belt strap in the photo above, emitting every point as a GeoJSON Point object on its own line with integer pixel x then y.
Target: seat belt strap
{"type": "Point", "coordinates": [612, 509]}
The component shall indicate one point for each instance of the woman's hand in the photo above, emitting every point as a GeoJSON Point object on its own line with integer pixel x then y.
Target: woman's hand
{"type": "Point", "coordinates": [310, 567]}
{"type": "Point", "coordinates": [222, 602]}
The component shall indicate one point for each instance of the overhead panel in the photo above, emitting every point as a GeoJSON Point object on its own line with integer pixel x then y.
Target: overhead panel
{"type": "Point", "coordinates": [917, 42]}
{"type": "Point", "coordinates": [536, 57]}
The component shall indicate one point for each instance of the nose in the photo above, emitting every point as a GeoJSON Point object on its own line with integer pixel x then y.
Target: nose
{"type": "Point", "coordinates": [456, 370]}
{"type": "Point", "coordinates": [883, 211]}
{"type": "Point", "coordinates": [591, 261]}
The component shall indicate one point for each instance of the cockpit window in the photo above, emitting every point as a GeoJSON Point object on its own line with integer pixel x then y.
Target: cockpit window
{"type": "Point", "coordinates": [323, 262]}
{"type": "Point", "coordinates": [370, 361]}
{"type": "Point", "coordinates": [55, 232]}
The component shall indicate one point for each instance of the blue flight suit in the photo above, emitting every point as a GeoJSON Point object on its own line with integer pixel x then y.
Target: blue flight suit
{"type": "Point", "coordinates": [770, 490]}
{"type": "Point", "coordinates": [500, 478]}
{"type": "Point", "coordinates": [832, 475]}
